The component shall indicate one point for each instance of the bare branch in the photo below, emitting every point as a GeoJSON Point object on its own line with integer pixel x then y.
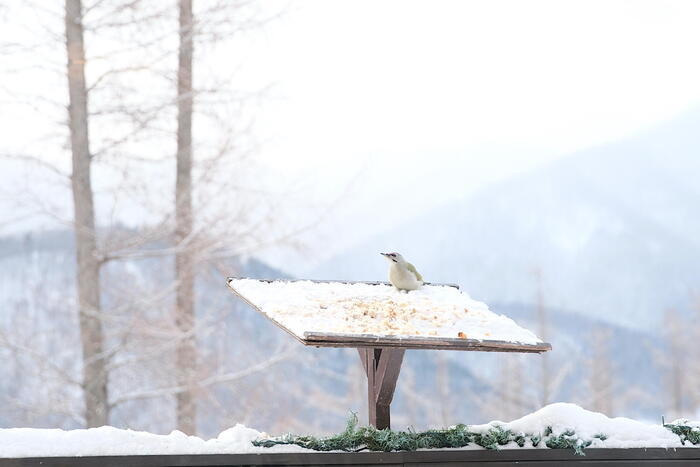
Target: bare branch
{"type": "Point", "coordinates": [34, 160]}
{"type": "Point", "coordinates": [217, 379]}
{"type": "Point", "coordinates": [41, 359]}
{"type": "Point", "coordinates": [258, 367]}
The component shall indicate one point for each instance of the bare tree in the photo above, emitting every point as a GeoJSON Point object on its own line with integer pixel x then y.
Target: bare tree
{"type": "Point", "coordinates": [442, 381]}
{"type": "Point", "coordinates": [693, 364]}
{"type": "Point", "coordinates": [513, 403]}
{"type": "Point", "coordinates": [88, 263]}
{"type": "Point", "coordinates": [601, 391]}
{"type": "Point", "coordinates": [673, 361]}
{"type": "Point", "coordinates": [140, 332]}
{"type": "Point", "coordinates": [184, 264]}
{"type": "Point", "coordinates": [543, 331]}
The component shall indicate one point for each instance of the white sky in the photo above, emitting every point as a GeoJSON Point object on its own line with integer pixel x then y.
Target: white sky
{"type": "Point", "coordinates": [392, 107]}
{"type": "Point", "coordinates": [425, 101]}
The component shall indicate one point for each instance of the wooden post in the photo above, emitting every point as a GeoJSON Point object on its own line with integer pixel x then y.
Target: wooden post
{"type": "Point", "coordinates": [382, 366]}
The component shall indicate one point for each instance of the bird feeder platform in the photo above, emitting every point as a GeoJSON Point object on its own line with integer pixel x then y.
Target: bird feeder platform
{"type": "Point", "coordinates": [382, 323]}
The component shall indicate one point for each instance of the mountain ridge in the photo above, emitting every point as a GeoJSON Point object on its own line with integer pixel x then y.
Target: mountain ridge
{"type": "Point", "coordinates": [613, 231]}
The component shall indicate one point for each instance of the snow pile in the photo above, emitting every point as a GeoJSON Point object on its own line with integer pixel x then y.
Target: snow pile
{"type": "Point", "coordinates": [549, 426]}
{"type": "Point", "coordinates": [110, 441]}
{"type": "Point", "coordinates": [562, 417]}
{"type": "Point", "coordinates": [382, 310]}
{"type": "Point", "coordinates": [556, 426]}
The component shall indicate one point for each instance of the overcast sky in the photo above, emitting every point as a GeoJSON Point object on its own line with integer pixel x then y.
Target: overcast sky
{"type": "Point", "coordinates": [381, 109]}
{"type": "Point", "coordinates": [425, 101]}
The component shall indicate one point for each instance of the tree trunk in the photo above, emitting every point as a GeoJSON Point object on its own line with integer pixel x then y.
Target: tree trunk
{"type": "Point", "coordinates": [184, 264]}
{"type": "Point", "coordinates": [88, 265]}
{"type": "Point", "coordinates": [601, 371]}
{"type": "Point", "coordinates": [543, 331]}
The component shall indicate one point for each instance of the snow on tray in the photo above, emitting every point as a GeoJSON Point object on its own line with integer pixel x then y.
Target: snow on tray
{"type": "Point", "coordinates": [381, 310]}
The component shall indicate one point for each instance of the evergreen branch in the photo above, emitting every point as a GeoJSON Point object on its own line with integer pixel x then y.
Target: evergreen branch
{"type": "Point", "coordinates": [355, 439]}
{"type": "Point", "coordinates": [685, 432]}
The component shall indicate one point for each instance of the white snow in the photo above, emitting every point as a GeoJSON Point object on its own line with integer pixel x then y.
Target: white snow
{"type": "Point", "coordinates": [621, 432]}
{"type": "Point", "coordinates": [106, 441]}
{"type": "Point", "coordinates": [110, 441]}
{"type": "Point", "coordinates": [382, 310]}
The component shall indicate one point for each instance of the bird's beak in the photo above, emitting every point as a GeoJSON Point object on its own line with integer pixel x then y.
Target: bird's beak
{"type": "Point", "coordinates": [384, 254]}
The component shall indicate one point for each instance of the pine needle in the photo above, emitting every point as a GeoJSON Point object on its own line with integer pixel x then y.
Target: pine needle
{"type": "Point", "coordinates": [355, 438]}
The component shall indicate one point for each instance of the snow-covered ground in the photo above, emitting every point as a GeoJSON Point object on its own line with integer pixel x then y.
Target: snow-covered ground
{"type": "Point", "coordinates": [32, 442]}
{"type": "Point", "coordinates": [435, 311]}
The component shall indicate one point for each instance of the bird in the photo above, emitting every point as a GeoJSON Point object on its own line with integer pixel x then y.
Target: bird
{"type": "Point", "coordinates": [402, 274]}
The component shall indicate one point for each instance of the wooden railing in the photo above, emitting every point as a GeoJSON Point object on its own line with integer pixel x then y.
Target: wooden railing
{"type": "Point", "coordinates": [521, 457]}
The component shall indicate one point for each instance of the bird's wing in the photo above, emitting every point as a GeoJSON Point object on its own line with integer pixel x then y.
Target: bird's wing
{"type": "Point", "coordinates": [412, 268]}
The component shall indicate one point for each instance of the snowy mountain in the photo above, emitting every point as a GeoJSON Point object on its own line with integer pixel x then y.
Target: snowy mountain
{"type": "Point", "coordinates": [39, 340]}
{"type": "Point", "coordinates": [614, 232]}
{"type": "Point", "coordinates": [313, 389]}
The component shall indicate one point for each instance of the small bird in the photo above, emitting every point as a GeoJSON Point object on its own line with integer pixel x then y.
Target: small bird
{"type": "Point", "coordinates": [402, 274]}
